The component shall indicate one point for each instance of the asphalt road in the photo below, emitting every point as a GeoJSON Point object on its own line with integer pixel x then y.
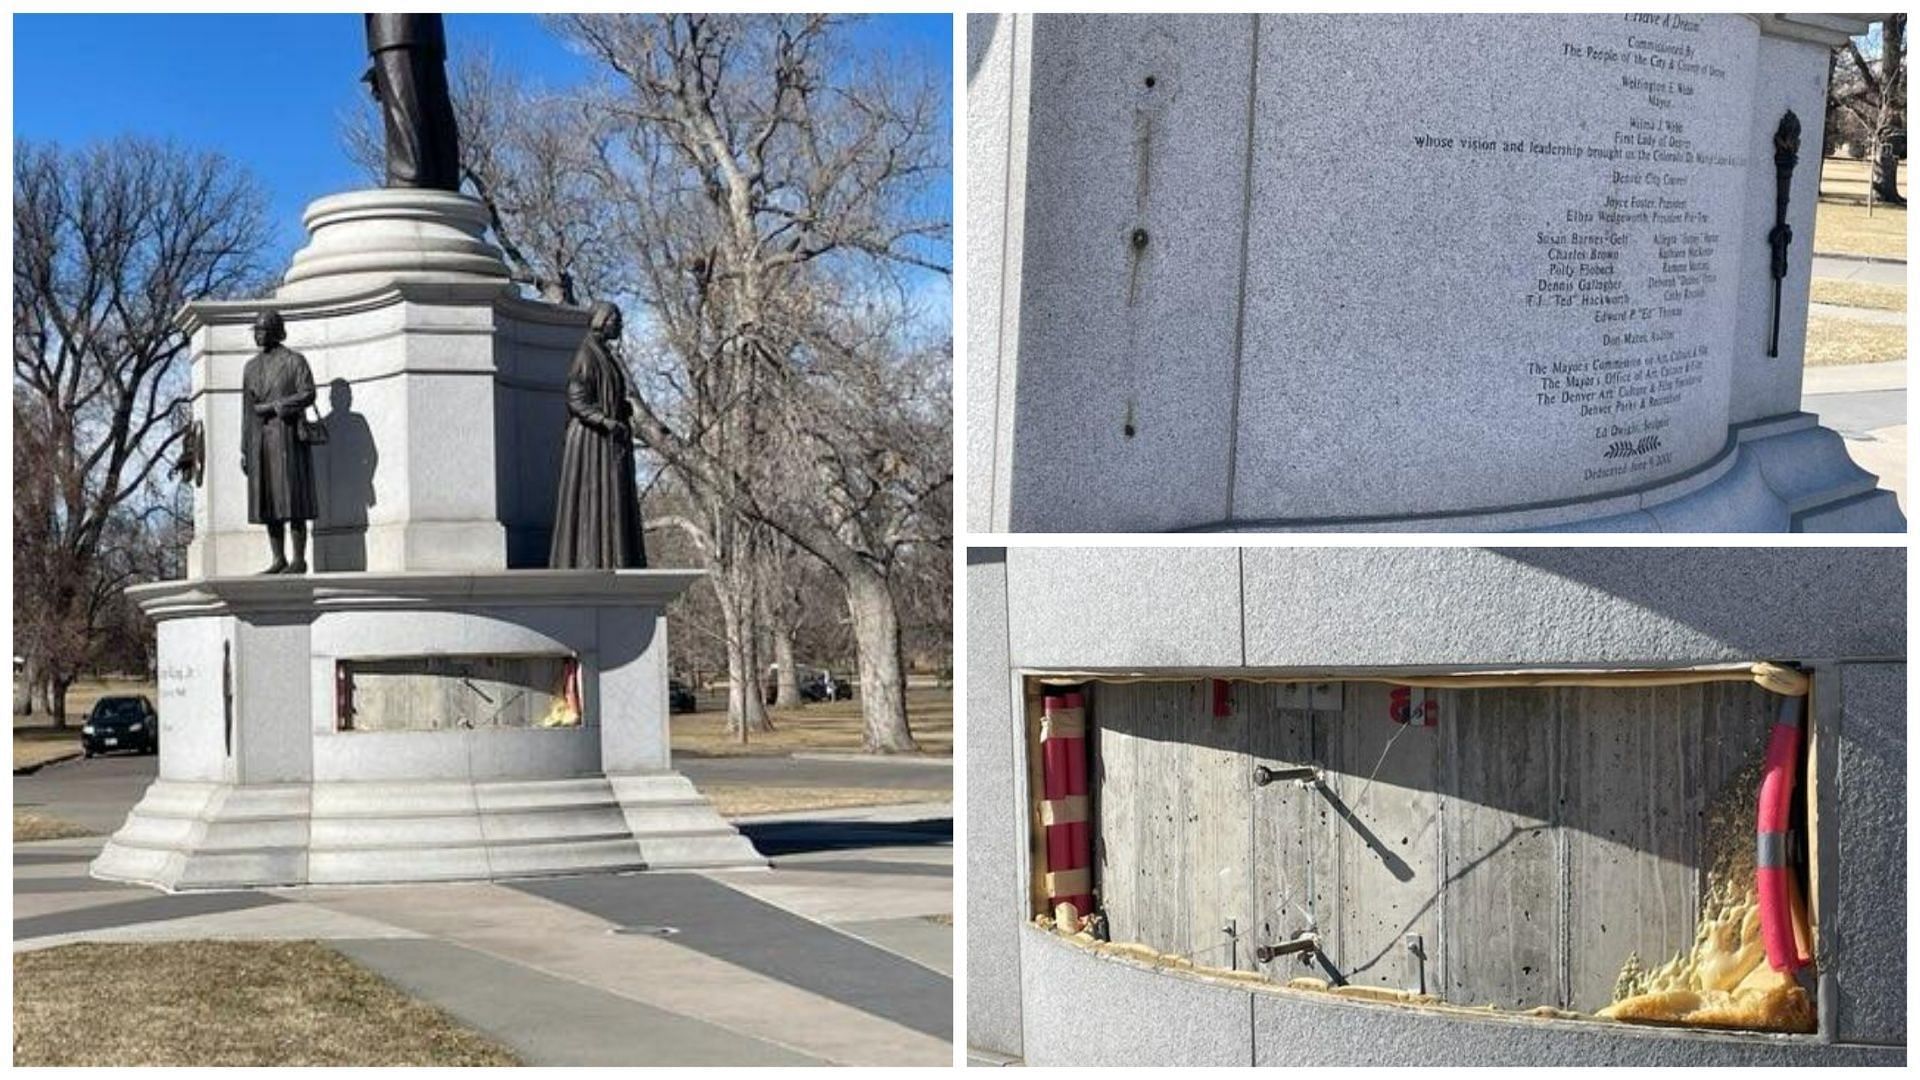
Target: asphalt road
{"type": "Point", "coordinates": [94, 792]}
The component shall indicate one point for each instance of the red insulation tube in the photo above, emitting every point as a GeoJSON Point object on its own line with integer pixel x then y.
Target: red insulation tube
{"type": "Point", "coordinates": [1773, 876]}
{"type": "Point", "coordinates": [1063, 771]}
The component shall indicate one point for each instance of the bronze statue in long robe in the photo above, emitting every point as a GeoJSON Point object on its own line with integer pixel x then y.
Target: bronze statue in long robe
{"type": "Point", "coordinates": [408, 77]}
{"type": "Point", "coordinates": [596, 520]}
{"type": "Point", "coordinates": [276, 388]}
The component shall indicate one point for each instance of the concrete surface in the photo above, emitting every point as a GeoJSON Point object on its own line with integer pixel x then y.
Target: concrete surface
{"type": "Point", "coordinates": [841, 954]}
{"type": "Point", "coordinates": [1869, 271]}
{"type": "Point", "coordinates": [996, 884]}
{"type": "Point", "coordinates": [1095, 1017]}
{"type": "Point", "coordinates": [1857, 314]}
{"type": "Point", "coordinates": [1353, 607]}
{"type": "Point", "coordinates": [1867, 405]}
{"type": "Point", "coordinates": [1868, 924]}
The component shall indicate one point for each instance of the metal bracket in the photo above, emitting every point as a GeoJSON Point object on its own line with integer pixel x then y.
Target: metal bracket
{"type": "Point", "coordinates": [1306, 776]}
{"type": "Point", "coordinates": [1304, 944]}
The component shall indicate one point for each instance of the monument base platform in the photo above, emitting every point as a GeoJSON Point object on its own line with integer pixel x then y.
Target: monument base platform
{"type": "Point", "coordinates": [185, 835]}
{"type": "Point", "coordinates": [1781, 474]}
{"type": "Point", "coordinates": [366, 728]}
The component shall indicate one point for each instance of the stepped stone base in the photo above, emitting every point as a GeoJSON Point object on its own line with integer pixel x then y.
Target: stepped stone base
{"type": "Point", "coordinates": [1781, 474]}
{"type": "Point", "coordinates": [187, 835]}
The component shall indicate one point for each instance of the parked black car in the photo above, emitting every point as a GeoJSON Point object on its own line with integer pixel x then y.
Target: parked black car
{"type": "Point", "coordinates": [679, 698]}
{"type": "Point", "coordinates": [121, 723]}
{"type": "Point", "coordinates": [822, 686]}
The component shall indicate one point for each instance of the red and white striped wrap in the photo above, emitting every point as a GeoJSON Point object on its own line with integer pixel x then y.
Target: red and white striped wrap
{"type": "Point", "coordinates": [1773, 877]}
{"type": "Point", "coordinates": [1063, 811]}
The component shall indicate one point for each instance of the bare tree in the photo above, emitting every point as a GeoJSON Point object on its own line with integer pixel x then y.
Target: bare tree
{"type": "Point", "coordinates": [525, 154]}
{"type": "Point", "coordinates": [751, 175]}
{"type": "Point", "coordinates": [1873, 91]}
{"type": "Point", "coordinates": [109, 242]}
{"type": "Point", "coordinates": [872, 425]}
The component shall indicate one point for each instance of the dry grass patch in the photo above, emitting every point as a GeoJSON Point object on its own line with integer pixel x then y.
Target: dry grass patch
{"type": "Point", "coordinates": [733, 800]}
{"type": "Point", "coordinates": [1833, 341]}
{"type": "Point", "coordinates": [1845, 179]}
{"type": "Point", "coordinates": [1859, 294]}
{"type": "Point", "coordinates": [37, 746]}
{"type": "Point", "coordinates": [1840, 229]}
{"type": "Point", "coordinates": [831, 726]}
{"type": "Point", "coordinates": [30, 825]}
{"type": "Point", "coordinates": [225, 1003]}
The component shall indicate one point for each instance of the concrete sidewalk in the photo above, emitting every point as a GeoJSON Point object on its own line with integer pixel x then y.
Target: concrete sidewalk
{"type": "Point", "coordinates": [1867, 405]}
{"type": "Point", "coordinates": [1869, 271]}
{"type": "Point", "coordinates": [840, 954]}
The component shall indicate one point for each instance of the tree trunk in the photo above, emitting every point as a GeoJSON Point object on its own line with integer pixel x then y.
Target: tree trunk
{"type": "Point", "coordinates": [24, 688]}
{"type": "Point", "coordinates": [883, 683]}
{"type": "Point", "coordinates": [43, 690]}
{"type": "Point", "coordinates": [1886, 167]}
{"type": "Point", "coordinates": [59, 686]}
{"type": "Point", "coordinates": [789, 676]}
{"type": "Point", "coordinates": [746, 708]}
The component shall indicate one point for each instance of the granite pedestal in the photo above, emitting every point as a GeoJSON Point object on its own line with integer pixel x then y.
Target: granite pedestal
{"type": "Point", "coordinates": [441, 391]}
{"type": "Point", "coordinates": [1517, 278]}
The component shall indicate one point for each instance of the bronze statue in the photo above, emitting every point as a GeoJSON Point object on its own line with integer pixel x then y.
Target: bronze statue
{"type": "Point", "coordinates": [275, 391]}
{"type": "Point", "coordinates": [408, 76]}
{"type": "Point", "coordinates": [596, 521]}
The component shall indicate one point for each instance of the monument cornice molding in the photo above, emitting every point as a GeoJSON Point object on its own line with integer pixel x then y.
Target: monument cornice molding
{"type": "Point", "coordinates": [1822, 29]}
{"type": "Point", "coordinates": [200, 314]}
{"type": "Point", "coordinates": [311, 594]}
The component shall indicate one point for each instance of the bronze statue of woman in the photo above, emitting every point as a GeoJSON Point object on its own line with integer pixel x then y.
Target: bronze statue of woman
{"type": "Point", "coordinates": [596, 520]}
{"type": "Point", "coordinates": [275, 390]}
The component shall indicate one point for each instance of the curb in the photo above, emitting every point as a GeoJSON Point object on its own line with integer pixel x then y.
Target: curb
{"type": "Point", "coordinates": [29, 770]}
{"type": "Point", "coordinates": [875, 759]}
{"type": "Point", "coordinates": [1846, 257]}
{"type": "Point", "coordinates": [846, 815]}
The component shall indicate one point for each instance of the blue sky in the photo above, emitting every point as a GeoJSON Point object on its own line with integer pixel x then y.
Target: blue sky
{"type": "Point", "coordinates": [271, 90]}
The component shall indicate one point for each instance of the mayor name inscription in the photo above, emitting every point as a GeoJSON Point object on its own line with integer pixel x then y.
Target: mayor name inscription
{"type": "Point", "coordinates": [1634, 261]}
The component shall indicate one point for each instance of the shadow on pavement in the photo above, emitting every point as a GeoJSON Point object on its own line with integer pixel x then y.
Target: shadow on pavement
{"type": "Point", "coordinates": [777, 838]}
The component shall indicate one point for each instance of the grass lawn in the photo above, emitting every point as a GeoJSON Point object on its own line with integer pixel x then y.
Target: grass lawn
{"type": "Point", "coordinates": [737, 800]}
{"type": "Point", "coordinates": [225, 1003]}
{"type": "Point", "coordinates": [1841, 223]}
{"type": "Point", "coordinates": [1859, 294]}
{"type": "Point", "coordinates": [1848, 341]}
{"type": "Point", "coordinates": [31, 825]}
{"type": "Point", "coordinates": [832, 726]}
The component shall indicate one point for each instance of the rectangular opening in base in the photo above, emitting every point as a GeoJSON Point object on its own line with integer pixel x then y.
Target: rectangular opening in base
{"type": "Point", "coordinates": [449, 693]}
{"type": "Point", "coordinates": [1561, 844]}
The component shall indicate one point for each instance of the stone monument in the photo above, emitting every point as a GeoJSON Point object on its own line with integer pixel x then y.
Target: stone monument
{"type": "Point", "coordinates": [432, 702]}
{"type": "Point", "coordinates": [1398, 272]}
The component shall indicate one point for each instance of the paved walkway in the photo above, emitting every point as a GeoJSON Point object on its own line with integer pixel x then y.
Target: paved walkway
{"type": "Point", "coordinates": [1876, 316]}
{"type": "Point", "coordinates": [1867, 405]}
{"type": "Point", "coordinates": [841, 954]}
{"type": "Point", "coordinates": [1873, 273]}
